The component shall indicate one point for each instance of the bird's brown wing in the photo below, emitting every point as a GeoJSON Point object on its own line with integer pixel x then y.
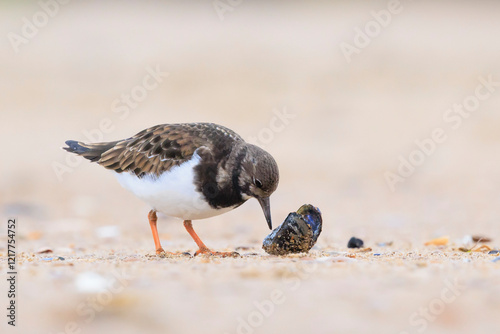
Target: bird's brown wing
{"type": "Point", "coordinates": [161, 147]}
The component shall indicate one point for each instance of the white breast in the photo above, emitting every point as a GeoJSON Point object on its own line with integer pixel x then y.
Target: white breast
{"type": "Point", "coordinates": [173, 193]}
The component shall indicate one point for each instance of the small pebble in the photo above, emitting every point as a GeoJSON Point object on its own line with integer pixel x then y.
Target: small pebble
{"type": "Point", "coordinates": [478, 238]}
{"type": "Point", "coordinates": [493, 252]}
{"type": "Point", "coordinates": [496, 259]}
{"type": "Point", "coordinates": [355, 243]}
{"type": "Point", "coordinates": [44, 250]}
{"type": "Point", "coordinates": [53, 258]}
{"type": "Point", "coordinates": [442, 241]}
{"type": "Point", "coordinates": [377, 254]}
{"type": "Point", "coordinates": [385, 244]}
{"type": "Point", "coordinates": [252, 254]}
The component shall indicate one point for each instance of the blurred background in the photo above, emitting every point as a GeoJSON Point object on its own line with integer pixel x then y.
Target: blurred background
{"type": "Point", "coordinates": [339, 92]}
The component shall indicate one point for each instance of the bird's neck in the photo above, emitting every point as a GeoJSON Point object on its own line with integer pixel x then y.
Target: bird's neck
{"type": "Point", "coordinates": [220, 178]}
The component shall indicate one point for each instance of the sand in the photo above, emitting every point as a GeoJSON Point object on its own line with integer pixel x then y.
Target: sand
{"type": "Point", "coordinates": [276, 74]}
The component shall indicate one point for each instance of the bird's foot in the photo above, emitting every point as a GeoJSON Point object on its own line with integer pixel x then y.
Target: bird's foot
{"type": "Point", "coordinates": [206, 251]}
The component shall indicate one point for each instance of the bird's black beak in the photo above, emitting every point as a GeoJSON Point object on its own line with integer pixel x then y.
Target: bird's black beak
{"type": "Point", "coordinates": [266, 207]}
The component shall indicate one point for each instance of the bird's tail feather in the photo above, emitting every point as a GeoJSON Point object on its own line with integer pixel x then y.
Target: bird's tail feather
{"type": "Point", "coordinates": [91, 152]}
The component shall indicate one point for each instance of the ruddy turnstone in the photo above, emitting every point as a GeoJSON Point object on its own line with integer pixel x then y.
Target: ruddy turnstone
{"type": "Point", "coordinates": [189, 171]}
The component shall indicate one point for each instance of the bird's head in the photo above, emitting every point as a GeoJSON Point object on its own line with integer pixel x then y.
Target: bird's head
{"type": "Point", "coordinates": [260, 177]}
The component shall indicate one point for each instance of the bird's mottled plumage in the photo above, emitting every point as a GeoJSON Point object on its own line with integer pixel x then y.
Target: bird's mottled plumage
{"type": "Point", "coordinates": [157, 149]}
{"type": "Point", "coordinates": [226, 176]}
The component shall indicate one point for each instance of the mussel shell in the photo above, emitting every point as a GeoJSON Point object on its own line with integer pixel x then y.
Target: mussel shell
{"type": "Point", "coordinates": [312, 216]}
{"type": "Point", "coordinates": [297, 234]}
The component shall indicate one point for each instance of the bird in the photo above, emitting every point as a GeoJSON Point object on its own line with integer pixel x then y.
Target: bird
{"type": "Point", "coordinates": [191, 171]}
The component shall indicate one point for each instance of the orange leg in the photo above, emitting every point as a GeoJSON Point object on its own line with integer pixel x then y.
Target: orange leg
{"type": "Point", "coordinates": [152, 222]}
{"type": "Point", "coordinates": [202, 248]}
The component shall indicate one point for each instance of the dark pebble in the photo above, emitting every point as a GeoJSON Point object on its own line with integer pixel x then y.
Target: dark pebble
{"type": "Point", "coordinates": [377, 254]}
{"type": "Point", "coordinates": [297, 234]}
{"type": "Point", "coordinates": [355, 243]}
{"type": "Point", "coordinates": [494, 252]}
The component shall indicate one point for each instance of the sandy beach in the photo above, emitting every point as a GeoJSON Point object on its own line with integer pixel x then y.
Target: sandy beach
{"type": "Point", "coordinates": [384, 115]}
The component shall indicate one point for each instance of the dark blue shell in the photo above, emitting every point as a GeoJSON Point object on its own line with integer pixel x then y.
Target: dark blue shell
{"type": "Point", "coordinates": [312, 216]}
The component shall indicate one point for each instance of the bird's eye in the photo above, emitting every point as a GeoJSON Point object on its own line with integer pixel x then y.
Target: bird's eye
{"type": "Point", "coordinates": [258, 183]}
